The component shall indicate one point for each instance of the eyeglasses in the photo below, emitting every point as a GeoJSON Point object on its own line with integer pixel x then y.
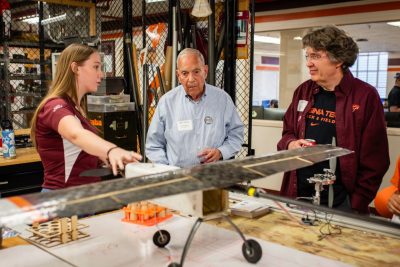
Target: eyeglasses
{"type": "Point", "coordinates": [313, 57]}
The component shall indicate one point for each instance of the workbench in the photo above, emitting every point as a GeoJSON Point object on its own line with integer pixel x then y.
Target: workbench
{"type": "Point", "coordinates": [24, 156]}
{"type": "Point", "coordinates": [285, 242]}
{"type": "Point", "coordinates": [23, 174]}
{"type": "Point", "coordinates": [355, 247]}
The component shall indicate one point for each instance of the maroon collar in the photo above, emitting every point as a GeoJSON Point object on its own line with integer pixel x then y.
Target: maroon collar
{"type": "Point", "coordinates": [346, 84]}
{"type": "Point", "coordinates": [344, 87]}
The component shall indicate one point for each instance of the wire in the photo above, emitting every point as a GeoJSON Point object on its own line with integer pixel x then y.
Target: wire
{"type": "Point", "coordinates": [306, 220]}
{"type": "Point", "coordinates": [328, 228]}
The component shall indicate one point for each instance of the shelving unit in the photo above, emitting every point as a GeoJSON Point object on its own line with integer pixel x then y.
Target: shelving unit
{"type": "Point", "coordinates": [24, 80]}
{"type": "Point", "coordinates": [26, 73]}
{"type": "Point", "coordinates": [25, 63]}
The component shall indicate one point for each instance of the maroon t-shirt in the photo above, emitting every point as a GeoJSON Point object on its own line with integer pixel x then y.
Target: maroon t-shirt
{"type": "Point", "coordinates": [62, 161]}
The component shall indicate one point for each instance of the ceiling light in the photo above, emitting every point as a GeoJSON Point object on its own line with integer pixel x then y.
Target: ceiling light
{"type": "Point", "coordinates": [35, 19]}
{"type": "Point", "coordinates": [201, 9]}
{"type": "Point", "coordinates": [267, 39]}
{"type": "Point", "coordinates": [297, 38]}
{"type": "Point", "coordinates": [394, 23]}
{"type": "Point", "coordinates": [54, 19]}
{"type": "Point", "coordinates": [31, 20]}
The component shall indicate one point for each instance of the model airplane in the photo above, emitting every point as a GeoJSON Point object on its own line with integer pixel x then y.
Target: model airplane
{"type": "Point", "coordinates": [114, 194]}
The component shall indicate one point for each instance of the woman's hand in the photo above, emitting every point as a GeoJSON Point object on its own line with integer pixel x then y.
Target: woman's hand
{"type": "Point", "coordinates": [297, 144]}
{"type": "Point", "coordinates": [118, 158]}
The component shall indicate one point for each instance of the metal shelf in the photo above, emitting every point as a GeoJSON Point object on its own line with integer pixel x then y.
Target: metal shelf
{"type": "Point", "coordinates": [27, 77]}
{"type": "Point", "coordinates": [38, 94]}
{"type": "Point", "coordinates": [24, 111]}
{"type": "Point", "coordinates": [28, 44]}
{"type": "Point", "coordinates": [29, 61]}
{"type": "Point", "coordinates": [25, 61]}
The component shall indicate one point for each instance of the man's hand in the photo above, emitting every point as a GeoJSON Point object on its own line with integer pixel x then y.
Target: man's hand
{"type": "Point", "coordinates": [394, 203]}
{"type": "Point", "coordinates": [208, 155]}
{"type": "Point", "coordinates": [297, 144]}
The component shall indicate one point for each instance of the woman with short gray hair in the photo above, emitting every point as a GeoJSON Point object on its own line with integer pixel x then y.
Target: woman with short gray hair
{"type": "Point", "coordinates": [339, 46]}
{"type": "Point", "coordinates": [334, 106]}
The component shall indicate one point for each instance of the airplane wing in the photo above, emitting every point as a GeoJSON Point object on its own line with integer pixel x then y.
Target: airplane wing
{"type": "Point", "coordinates": [113, 194]}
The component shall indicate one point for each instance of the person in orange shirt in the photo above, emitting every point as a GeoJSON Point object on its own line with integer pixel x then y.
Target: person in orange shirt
{"type": "Point", "coordinates": [387, 201]}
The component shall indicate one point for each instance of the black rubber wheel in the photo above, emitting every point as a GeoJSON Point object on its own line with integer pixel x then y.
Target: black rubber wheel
{"type": "Point", "coordinates": [174, 264]}
{"type": "Point", "coordinates": [161, 238]}
{"type": "Point", "coordinates": [252, 252]}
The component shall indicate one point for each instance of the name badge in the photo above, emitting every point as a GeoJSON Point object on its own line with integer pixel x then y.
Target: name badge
{"type": "Point", "coordinates": [302, 105]}
{"type": "Point", "coordinates": [208, 120]}
{"type": "Point", "coordinates": [186, 125]}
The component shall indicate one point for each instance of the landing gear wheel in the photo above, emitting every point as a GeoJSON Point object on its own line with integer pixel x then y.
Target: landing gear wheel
{"type": "Point", "coordinates": [161, 238]}
{"type": "Point", "coordinates": [251, 250]}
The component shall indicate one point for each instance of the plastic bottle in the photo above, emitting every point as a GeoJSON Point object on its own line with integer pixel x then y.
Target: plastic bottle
{"type": "Point", "coordinates": [8, 139]}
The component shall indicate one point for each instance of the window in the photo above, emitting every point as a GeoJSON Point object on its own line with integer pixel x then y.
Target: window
{"type": "Point", "coordinates": [372, 68]}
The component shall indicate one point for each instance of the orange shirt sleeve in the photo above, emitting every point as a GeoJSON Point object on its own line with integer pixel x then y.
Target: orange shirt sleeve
{"type": "Point", "coordinates": [396, 176]}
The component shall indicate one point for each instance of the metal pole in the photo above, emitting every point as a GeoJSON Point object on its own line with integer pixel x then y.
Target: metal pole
{"type": "Point", "coordinates": [230, 50]}
{"type": "Point", "coordinates": [211, 46]}
{"type": "Point", "coordinates": [127, 29]}
{"type": "Point", "coordinates": [41, 48]}
{"type": "Point", "coordinates": [161, 81]}
{"type": "Point", "coordinates": [171, 13]}
{"type": "Point", "coordinates": [133, 88]}
{"type": "Point", "coordinates": [250, 150]}
{"type": "Point", "coordinates": [129, 70]}
{"type": "Point", "coordinates": [174, 47]}
{"type": "Point", "coordinates": [145, 110]}
{"type": "Point", "coordinates": [144, 25]}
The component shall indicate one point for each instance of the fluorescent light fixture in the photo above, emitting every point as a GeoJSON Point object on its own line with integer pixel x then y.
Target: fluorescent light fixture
{"type": "Point", "coordinates": [54, 19]}
{"type": "Point", "coordinates": [267, 39]}
{"type": "Point", "coordinates": [35, 19]}
{"type": "Point", "coordinates": [297, 38]}
{"type": "Point", "coordinates": [31, 20]}
{"type": "Point", "coordinates": [394, 23]}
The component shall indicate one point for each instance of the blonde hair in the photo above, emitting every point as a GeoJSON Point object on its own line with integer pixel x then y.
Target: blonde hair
{"type": "Point", "coordinates": [64, 82]}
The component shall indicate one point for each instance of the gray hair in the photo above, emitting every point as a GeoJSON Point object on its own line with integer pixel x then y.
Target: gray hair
{"type": "Point", "coordinates": [339, 46]}
{"type": "Point", "coordinates": [190, 51]}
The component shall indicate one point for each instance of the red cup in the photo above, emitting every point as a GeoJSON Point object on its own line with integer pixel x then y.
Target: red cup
{"type": "Point", "coordinates": [310, 142]}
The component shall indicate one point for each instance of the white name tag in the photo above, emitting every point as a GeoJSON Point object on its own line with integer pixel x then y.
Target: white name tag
{"type": "Point", "coordinates": [302, 105]}
{"type": "Point", "coordinates": [186, 125]}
